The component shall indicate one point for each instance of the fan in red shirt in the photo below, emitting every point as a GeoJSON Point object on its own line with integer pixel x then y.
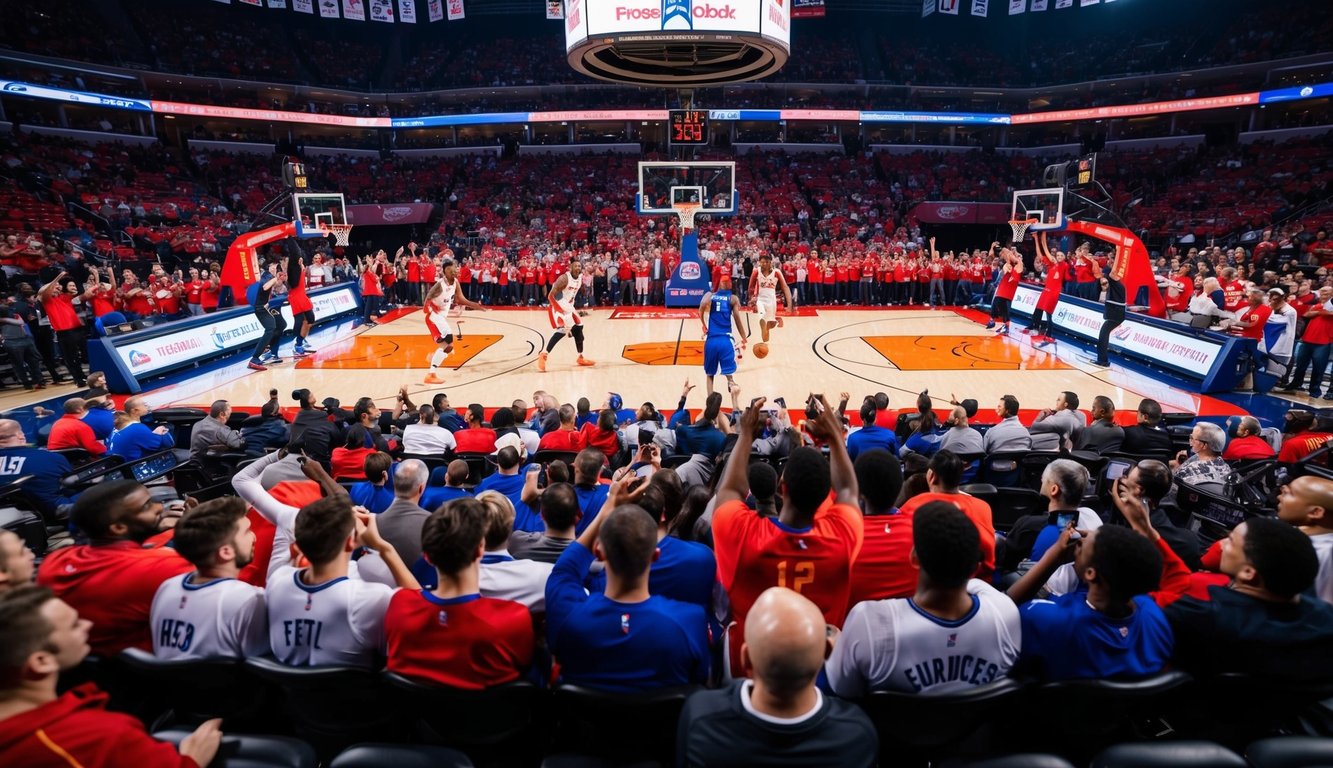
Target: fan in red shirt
{"type": "Point", "coordinates": [1233, 291]}
{"type": "Point", "coordinates": [1250, 324]}
{"type": "Point", "coordinates": [809, 547]}
{"type": "Point", "coordinates": [1010, 273]}
{"type": "Point", "coordinates": [57, 298]}
{"type": "Point", "coordinates": [566, 437]}
{"type": "Point", "coordinates": [602, 434]}
{"type": "Point", "coordinates": [303, 311]}
{"type": "Point", "coordinates": [168, 297]}
{"type": "Point", "coordinates": [883, 569]}
{"type": "Point", "coordinates": [102, 295]}
{"type": "Point", "coordinates": [112, 579]}
{"type": "Point", "coordinates": [451, 635]}
{"type": "Point", "coordinates": [70, 431]}
{"type": "Point", "coordinates": [43, 636]}
{"type": "Point", "coordinates": [1056, 272]}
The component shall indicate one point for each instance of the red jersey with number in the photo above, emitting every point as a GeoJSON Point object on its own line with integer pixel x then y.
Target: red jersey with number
{"type": "Point", "coordinates": [1257, 315]}
{"type": "Point", "coordinates": [413, 271]}
{"type": "Point", "coordinates": [469, 642]}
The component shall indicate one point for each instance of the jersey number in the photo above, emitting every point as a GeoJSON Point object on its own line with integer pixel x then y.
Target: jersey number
{"type": "Point", "coordinates": [802, 573]}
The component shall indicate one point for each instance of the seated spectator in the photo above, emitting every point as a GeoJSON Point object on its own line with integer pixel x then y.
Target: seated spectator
{"type": "Point", "coordinates": [266, 432]}
{"type": "Point", "coordinates": [1115, 629]}
{"type": "Point", "coordinates": [70, 431]}
{"type": "Point", "coordinates": [870, 436]}
{"type": "Point", "coordinates": [313, 430]}
{"type": "Point", "coordinates": [375, 493]}
{"type": "Point", "coordinates": [43, 636]}
{"type": "Point", "coordinates": [100, 414]}
{"type": "Point", "coordinates": [212, 432]}
{"type": "Point", "coordinates": [703, 436]}
{"type": "Point", "coordinates": [510, 477]}
{"type": "Point", "coordinates": [455, 475]}
{"type": "Point", "coordinates": [1148, 437]}
{"type": "Point", "coordinates": [319, 614]}
{"type": "Point", "coordinates": [42, 468]}
{"type": "Point", "coordinates": [958, 436]}
{"type": "Point", "coordinates": [943, 475]}
{"type": "Point", "coordinates": [452, 635]}
{"type": "Point", "coordinates": [625, 639]}
{"type": "Point", "coordinates": [348, 460]}
{"type": "Point", "coordinates": [882, 569]}
{"type": "Point", "coordinates": [1303, 435]}
{"type": "Point", "coordinates": [16, 562]}
{"type": "Point", "coordinates": [603, 435]}
{"type": "Point", "coordinates": [1063, 482]}
{"type": "Point", "coordinates": [475, 438]}
{"type": "Point", "coordinates": [898, 645]}
{"type": "Point", "coordinates": [1009, 434]}
{"type": "Point", "coordinates": [1307, 503]}
{"type": "Point", "coordinates": [778, 716]}
{"type": "Point", "coordinates": [924, 438]}
{"type": "Point", "coordinates": [588, 485]}
{"type": "Point", "coordinates": [133, 439]}
{"type": "Point", "coordinates": [1056, 430]}
{"type": "Point", "coordinates": [1248, 444]}
{"type": "Point", "coordinates": [427, 437]}
{"type": "Point", "coordinates": [401, 523]}
{"type": "Point", "coordinates": [559, 515]}
{"type": "Point", "coordinates": [1150, 481]}
{"type": "Point", "coordinates": [1265, 622]}
{"type": "Point", "coordinates": [1103, 435]}
{"type": "Point", "coordinates": [209, 613]}
{"type": "Point", "coordinates": [566, 436]}
{"type": "Point", "coordinates": [113, 577]}
{"type": "Point", "coordinates": [1206, 468]}
{"type": "Point", "coordinates": [502, 576]}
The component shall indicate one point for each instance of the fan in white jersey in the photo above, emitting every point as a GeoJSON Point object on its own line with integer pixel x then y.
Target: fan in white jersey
{"type": "Point", "coordinates": [439, 302]}
{"type": "Point", "coordinates": [764, 284]}
{"type": "Point", "coordinates": [562, 315]}
{"type": "Point", "coordinates": [954, 634]}
{"type": "Point", "coordinates": [210, 613]}
{"type": "Point", "coordinates": [322, 614]}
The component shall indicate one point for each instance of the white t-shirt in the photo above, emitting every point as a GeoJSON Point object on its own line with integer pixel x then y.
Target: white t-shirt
{"type": "Point", "coordinates": [338, 622]}
{"type": "Point", "coordinates": [1323, 581]}
{"type": "Point", "coordinates": [427, 439]}
{"type": "Point", "coordinates": [523, 581]}
{"type": "Point", "coordinates": [894, 645]}
{"type": "Point", "coordinates": [207, 619]}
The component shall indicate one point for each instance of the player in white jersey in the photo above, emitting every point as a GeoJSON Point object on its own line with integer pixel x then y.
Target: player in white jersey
{"type": "Point", "coordinates": [764, 284]}
{"type": "Point", "coordinates": [322, 614]}
{"type": "Point", "coordinates": [562, 315]}
{"type": "Point", "coordinates": [209, 613]}
{"type": "Point", "coordinates": [956, 633]}
{"type": "Point", "coordinates": [437, 306]}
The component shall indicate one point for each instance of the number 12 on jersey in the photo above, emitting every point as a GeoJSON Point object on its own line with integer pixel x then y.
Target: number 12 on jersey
{"type": "Point", "coordinates": [801, 573]}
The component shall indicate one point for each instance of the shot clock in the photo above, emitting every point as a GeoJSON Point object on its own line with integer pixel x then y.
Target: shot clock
{"type": "Point", "coordinates": [688, 128]}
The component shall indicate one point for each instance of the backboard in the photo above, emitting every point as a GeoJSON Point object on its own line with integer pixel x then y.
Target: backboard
{"type": "Point", "coordinates": [662, 185]}
{"type": "Point", "coordinates": [1045, 208]}
{"type": "Point", "coordinates": [314, 213]}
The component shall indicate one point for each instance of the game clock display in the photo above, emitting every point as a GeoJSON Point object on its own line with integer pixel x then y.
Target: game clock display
{"type": "Point", "coordinates": [688, 127]}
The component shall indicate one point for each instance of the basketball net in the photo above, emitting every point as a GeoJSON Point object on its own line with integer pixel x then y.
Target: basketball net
{"type": "Point", "coordinates": [1020, 228]}
{"type": "Point", "coordinates": [686, 212]}
{"type": "Point", "coordinates": [342, 233]}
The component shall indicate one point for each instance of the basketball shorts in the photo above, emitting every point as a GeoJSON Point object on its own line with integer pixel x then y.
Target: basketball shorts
{"type": "Point", "coordinates": [438, 325]}
{"type": "Point", "coordinates": [641, 284]}
{"type": "Point", "coordinates": [562, 318]}
{"type": "Point", "coordinates": [719, 352]}
{"type": "Point", "coordinates": [767, 310]}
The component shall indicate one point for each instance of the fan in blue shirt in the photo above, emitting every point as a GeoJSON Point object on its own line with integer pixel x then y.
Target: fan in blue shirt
{"type": "Point", "coordinates": [869, 436]}
{"type": "Point", "coordinates": [509, 482]}
{"type": "Point", "coordinates": [1114, 629]}
{"type": "Point", "coordinates": [626, 639]}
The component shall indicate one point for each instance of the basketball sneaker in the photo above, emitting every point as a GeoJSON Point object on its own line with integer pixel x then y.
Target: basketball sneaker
{"type": "Point", "coordinates": [434, 378]}
{"type": "Point", "coordinates": [1002, 330]}
{"type": "Point", "coordinates": [541, 361]}
{"type": "Point", "coordinates": [990, 325]}
{"type": "Point", "coordinates": [585, 361]}
{"type": "Point", "coordinates": [309, 350]}
{"type": "Point", "coordinates": [255, 366]}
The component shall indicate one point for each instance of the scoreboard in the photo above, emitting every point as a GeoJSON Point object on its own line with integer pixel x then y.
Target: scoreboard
{"type": "Point", "coordinates": [1082, 172]}
{"type": "Point", "coordinates": [688, 128]}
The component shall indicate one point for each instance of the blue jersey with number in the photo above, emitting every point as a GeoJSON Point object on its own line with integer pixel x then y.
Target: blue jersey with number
{"type": "Point", "coordinates": [719, 314]}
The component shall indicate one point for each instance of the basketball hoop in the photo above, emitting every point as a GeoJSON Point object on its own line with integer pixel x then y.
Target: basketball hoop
{"type": "Point", "coordinates": [342, 233]}
{"type": "Point", "coordinates": [687, 212]}
{"type": "Point", "coordinates": [1020, 227]}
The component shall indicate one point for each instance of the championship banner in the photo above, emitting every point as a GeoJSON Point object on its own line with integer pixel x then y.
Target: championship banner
{"type": "Point", "coordinates": [1063, 4]}
{"type": "Point", "coordinates": [304, 6]}
{"type": "Point", "coordinates": [1038, 5]}
{"type": "Point", "coordinates": [354, 10]}
{"type": "Point", "coordinates": [950, 6]}
{"type": "Point", "coordinates": [256, 3]}
{"type": "Point", "coordinates": [555, 9]}
{"type": "Point", "coordinates": [328, 9]}
{"type": "Point", "coordinates": [435, 9]}
{"type": "Point", "coordinates": [1086, 3]}
{"type": "Point", "coordinates": [279, 4]}
{"type": "Point", "coordinates": [979, 7]}
{"type": "Point", "coordinates": [1017, 6]}
{"type": "Point", "coordinates": [407, 11]}
{"type": "Point", "coordinates": [807, 9]}
{"type": "Point", "coordinates": [455, 10]}
{"type": "Point", "coordinates": [381, 10]}
{"type": "Point", "coordinates": [927, 7]}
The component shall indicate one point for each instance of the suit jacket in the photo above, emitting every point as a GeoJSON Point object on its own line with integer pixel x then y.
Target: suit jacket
{"type": "Point", "coordinates": [400, 525]}
{"type": "Point", "coordinates": [1100, 437]}
{"type": "Point", "coordinates": [1140, 440]}
{"type": "Point", "coordinates": [1054, 431]}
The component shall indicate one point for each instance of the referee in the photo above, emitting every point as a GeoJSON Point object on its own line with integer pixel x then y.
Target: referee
{"type": "Point", "coordinates": [1113, 313]}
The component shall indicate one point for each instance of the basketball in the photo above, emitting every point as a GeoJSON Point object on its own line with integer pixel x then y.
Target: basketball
{"type": "Point", "coordinates": [761, 350]}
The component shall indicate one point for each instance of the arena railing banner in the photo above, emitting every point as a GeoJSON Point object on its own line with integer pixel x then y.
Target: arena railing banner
{"type": "Point", "coordinates": [961, 213]}
{"type": "Point", "coordinates": [132, 358]}
{"type": "Point", "coordinates": [1138, 110]}
{"type": "Point", "coordinates": [807, 9]}
{"type": "Point", "coordinates": [388, 215]}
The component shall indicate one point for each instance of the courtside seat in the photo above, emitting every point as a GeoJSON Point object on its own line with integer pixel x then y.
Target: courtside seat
{"type": "Point", "coordinates": [190, 691]}
{"type": "Point", "coordinates": [249, 751]}
{"type": "Point", "coordinates": [478, 467]}
{"type": "Point", "coordinates": [1271, 707]}
{"type": "Point", "coordinates": [400, 756]}
{"type": "Point", "coordinates": [1168, 754]}
{"type": "Point", "coordinates": [912, 726]}
{"type": "Point", "coordinates": [1003, 468]}
{"type": "Point", "coordinates": [1012, 504]}
{"type": "Point", "coordinates": [624, 727]}
{"type": "Point", "coordinates": [484, 723]}
{"type": "Point", "coordinates": [1095, 713]}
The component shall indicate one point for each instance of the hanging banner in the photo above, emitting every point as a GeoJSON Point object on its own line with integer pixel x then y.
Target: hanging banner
{"type": "Point", "coordinates": [979, 7]}
{"type": "Point", "coordinates": [1063, 4]}
{"type": "Point", "coordinates": [455, 9]}
{"type": "Point", "coordinates": [1038, 5]}
{"type": "Point", "coordinates": [381, 10]}
{"type": "Point", "coordinates": [1017, 6]}
{"type": "Point", "coordinates": [354, 10]}
{"type": "Point", "coordinates": [807, 9]}
{"type": "Point", "coordinates": [304, 6]}
{"type": "Point", "coordinates": [1086, 3]}
{"type": "Point", "coordinates": [328, 9]}
{"type": "Point", "coordinates": [555, 9]}
{"type": "Point", "coordinates": [435, 9]}
{"type": "Point", "coordinates": [928, 7]}
{"type": "Point", "coordinates": [950, 6]}
{"type": "Point", "coordinates": [278, 4]}
{"type": "Point", "coordinates": [407, 11]}
{"type": "Point", "coordinates": [256, 3]}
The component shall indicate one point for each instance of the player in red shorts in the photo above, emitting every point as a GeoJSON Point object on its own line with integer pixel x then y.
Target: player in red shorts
{"type": "Point", "coordinates": [303, 311]}
{"type": "Point", "coordinates": [439, 302]}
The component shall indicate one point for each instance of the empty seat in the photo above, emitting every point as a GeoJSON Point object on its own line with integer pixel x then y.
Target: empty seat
{"type": "Point", "coordinates": [1168, 754]}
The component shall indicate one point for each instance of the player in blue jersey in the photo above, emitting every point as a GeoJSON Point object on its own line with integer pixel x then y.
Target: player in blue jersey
{"type": "Point", "coordinates": [718, 311]}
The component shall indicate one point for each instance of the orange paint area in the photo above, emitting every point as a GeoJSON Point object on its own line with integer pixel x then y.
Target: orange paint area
{"type": "Point", "coordinates": [665, 353]}
{"type": "Point", "coordinates": [372, 351]}
{"type": "Point", "coordinates": [954, 353]}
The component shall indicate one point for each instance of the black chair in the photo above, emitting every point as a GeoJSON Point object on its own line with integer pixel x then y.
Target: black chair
{"type": "Point", "coordinates": [332, 707]}
{"type": "Point", "coordinates": [190, 479]}
{"type": "Point", "coordinates": [1272, 706]}
{"type": "Point", "coordinates": [1291, 752]}
{"type": "Point", "coordinates": [432, 461]}
{"type": "Point", "coordinates": [27, 525]}
{"type": "Point", "coordinates": [485, 724]}
{"type": "Point", "coordinates": [400, 756]}
{"type": "Point", "coordinates": [181, 420]}
{"type": "Point", "coordinates": [190, 691]}
{"type": "Point", "coordinates": [75, 456]}
{"type": "Point", "coordinates": [548, 456]}
{"type": "Point", "coordinates": [984, 491]}
{"type": "Point", "coordinates": [912, 727]}
{"type": "Point", "coordinates": [1178, 420]}
{"type": "Point", "coordinates": [1027, 760]}
{"type": "Point", "coordinates": [625, 727]}
{"type": "Point", "coordinates": [971, 465]}
{"type": "Point", "coordinates": [1032, 465]}
{"type": "Point", "coordinates": [1012, 504]}
{"type": "Point", "coordinates": [478, 467]}
{"type": "Point", "coordinates": [1091, 461]}
{"type": "Point", "coordinates": [247, 751]}
{"type": "Point", "coordinates": [675, 460]}
{"type": "Point", "coordinates": [1003, 468]}
{"type": "Point", "coordinates": [85, 475]}
{"type": "Point", "coordinates": [1168, 754]}
{"type": "Point", "coordinates": [1095, 713]}
{"type": "Point", "coordinates": [1215, 514]}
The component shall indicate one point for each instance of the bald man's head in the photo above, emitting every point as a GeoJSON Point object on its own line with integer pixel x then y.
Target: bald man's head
{"type": "Point", "coordinates": [1307, 500]}
{"type": "Point", "coordinates": [785, 641]}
